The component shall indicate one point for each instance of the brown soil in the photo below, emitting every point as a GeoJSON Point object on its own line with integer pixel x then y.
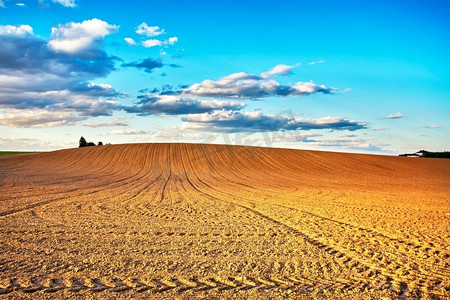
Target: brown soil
{"type": "Point", "coordinates": [214, 221]}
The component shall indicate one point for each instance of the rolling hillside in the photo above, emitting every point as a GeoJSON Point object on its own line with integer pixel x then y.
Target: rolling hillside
{"type": "Point", "coordinates": [194, 220]}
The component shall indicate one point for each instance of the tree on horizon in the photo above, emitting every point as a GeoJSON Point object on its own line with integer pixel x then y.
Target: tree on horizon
{"type": "Point", "coordinates": [83, 142]}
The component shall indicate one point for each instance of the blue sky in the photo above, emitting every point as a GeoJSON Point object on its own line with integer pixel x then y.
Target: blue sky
{"type": "Point", "coordinates": [352, 76]}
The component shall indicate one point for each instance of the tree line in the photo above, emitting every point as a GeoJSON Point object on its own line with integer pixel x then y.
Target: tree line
{"type": "Point", "coordinates": [83, 143]}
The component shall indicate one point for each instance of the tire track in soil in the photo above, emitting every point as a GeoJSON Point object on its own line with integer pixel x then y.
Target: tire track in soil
{"type": "Point", "coordinates": [349, 259]}
{"type": "Point", "coordinates": [180, 285]}
{"type": "Point", "coordinates": [183, 178]}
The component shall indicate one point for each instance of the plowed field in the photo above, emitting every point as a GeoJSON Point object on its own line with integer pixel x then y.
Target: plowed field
{"type": "Point", "coordinates": [215, 221]}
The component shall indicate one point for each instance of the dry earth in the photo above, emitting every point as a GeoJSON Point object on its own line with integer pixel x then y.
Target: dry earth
{"type": "Point", "coordinates": [213, 221]}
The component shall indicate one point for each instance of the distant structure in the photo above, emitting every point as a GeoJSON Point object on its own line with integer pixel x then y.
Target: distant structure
{"type": "Point", "coordinates": [422, 153]}
{"type": "Point", "coordinates": [410, 155]}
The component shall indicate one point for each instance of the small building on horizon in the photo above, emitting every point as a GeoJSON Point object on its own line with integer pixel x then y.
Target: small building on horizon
{"type": "Point", "coordinates": [421, 152]}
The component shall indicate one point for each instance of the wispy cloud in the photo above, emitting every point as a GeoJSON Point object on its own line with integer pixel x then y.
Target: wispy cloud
{"type": "Point", "coordinates": [320, 61]}
{"type": "Point", "coordinates": [32, 144]}
{"type": "Point", "coordinates": [126, 132]}
{"type": "Point", "coordinates": [349, 144]}
{"type": "Point", "coordinates": [381, 128]}
{"type": "Point", "coordinates": [66, 3]}
{"type": "Point", "coordinates": [106, 124]}
{"type": "Point", "coordinates": [394, 116]}
{"type": "Point", "coordinates": [433, 126]}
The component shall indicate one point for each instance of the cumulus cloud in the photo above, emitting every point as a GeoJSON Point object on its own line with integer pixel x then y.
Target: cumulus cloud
{"type": "Point", "coordinates": [149, 31]}
{"type": "Point", "coordinates": [236, 121]}
{"type": "Point", "coordinates": [80, 38]}
{"type": "Point", "coordinates": [394, 116]}
{"type": "Point", "coordinates": [34, 75]}
{"type": "Point", "coordinates": [21, 30]}
{"type": "Point", "coordinates": [278, 70]}
{"type": "Point", "coordinates": [157, 43]}
{"type": "Point", "coordinates": [130, 41]}
{"type": "Point", "coordinates": [249, 86]}
{"type": "Point", "coordinates": [172, 40]}
{"type": "Point", "coordinates": [153, 104]}
{"type": "Point", "coordinates": [151, 43]}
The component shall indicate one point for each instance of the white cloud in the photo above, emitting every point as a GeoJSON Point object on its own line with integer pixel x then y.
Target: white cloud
{"type": "Point", "coordinates": [20, 4]}
{"type": "Point", "coordinates": [246, 85]}
{"type": "Point", "coordinates": [306, 88]}
{"type": "Point", "coordinates": [321, 61]}
{"type": "Point", "coordinates": [151, 43]}
{"type": "Point", "coordinates": [172, 40]}
{"type": "Point", "coordinates": [130, 41]}
{"type": "Point", "coordinates": [39, 118]}
{"type": "Point", "coordinates": [394, 116]}
{"type": "Point", "coordinates": [126, 132]}
{"type": "Point", "coordinates": [21, 30]}
{"type": "Point", "coordinates": [106, 124]}
{"type": "Point", "coordinates": [42, 88]}
{"type": "Point", "coordinates": [66, 3]}
{"type": "Point", "coordinates": [178, 134]}
{"type": "Point", "coordinates": [280, 69]}
{"type": "Point", "coordinates": [433, 126]}
{"type": "Point", "coordinates": [31, 144]}
{"type": "Point", "coordinates": [74, 38]}
{"type": "Point", "coordinates": [349, 144]}
{"type": "Point", "coordinates": [151, 104]}
{"type": "Point", "coordinates": [144, 29]}
{"type": "Point", "coordinates": [237, 121]}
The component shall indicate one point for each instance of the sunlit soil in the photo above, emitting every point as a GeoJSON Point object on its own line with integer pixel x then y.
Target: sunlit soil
{"type": "Point", "coordinates": [213, 221]}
